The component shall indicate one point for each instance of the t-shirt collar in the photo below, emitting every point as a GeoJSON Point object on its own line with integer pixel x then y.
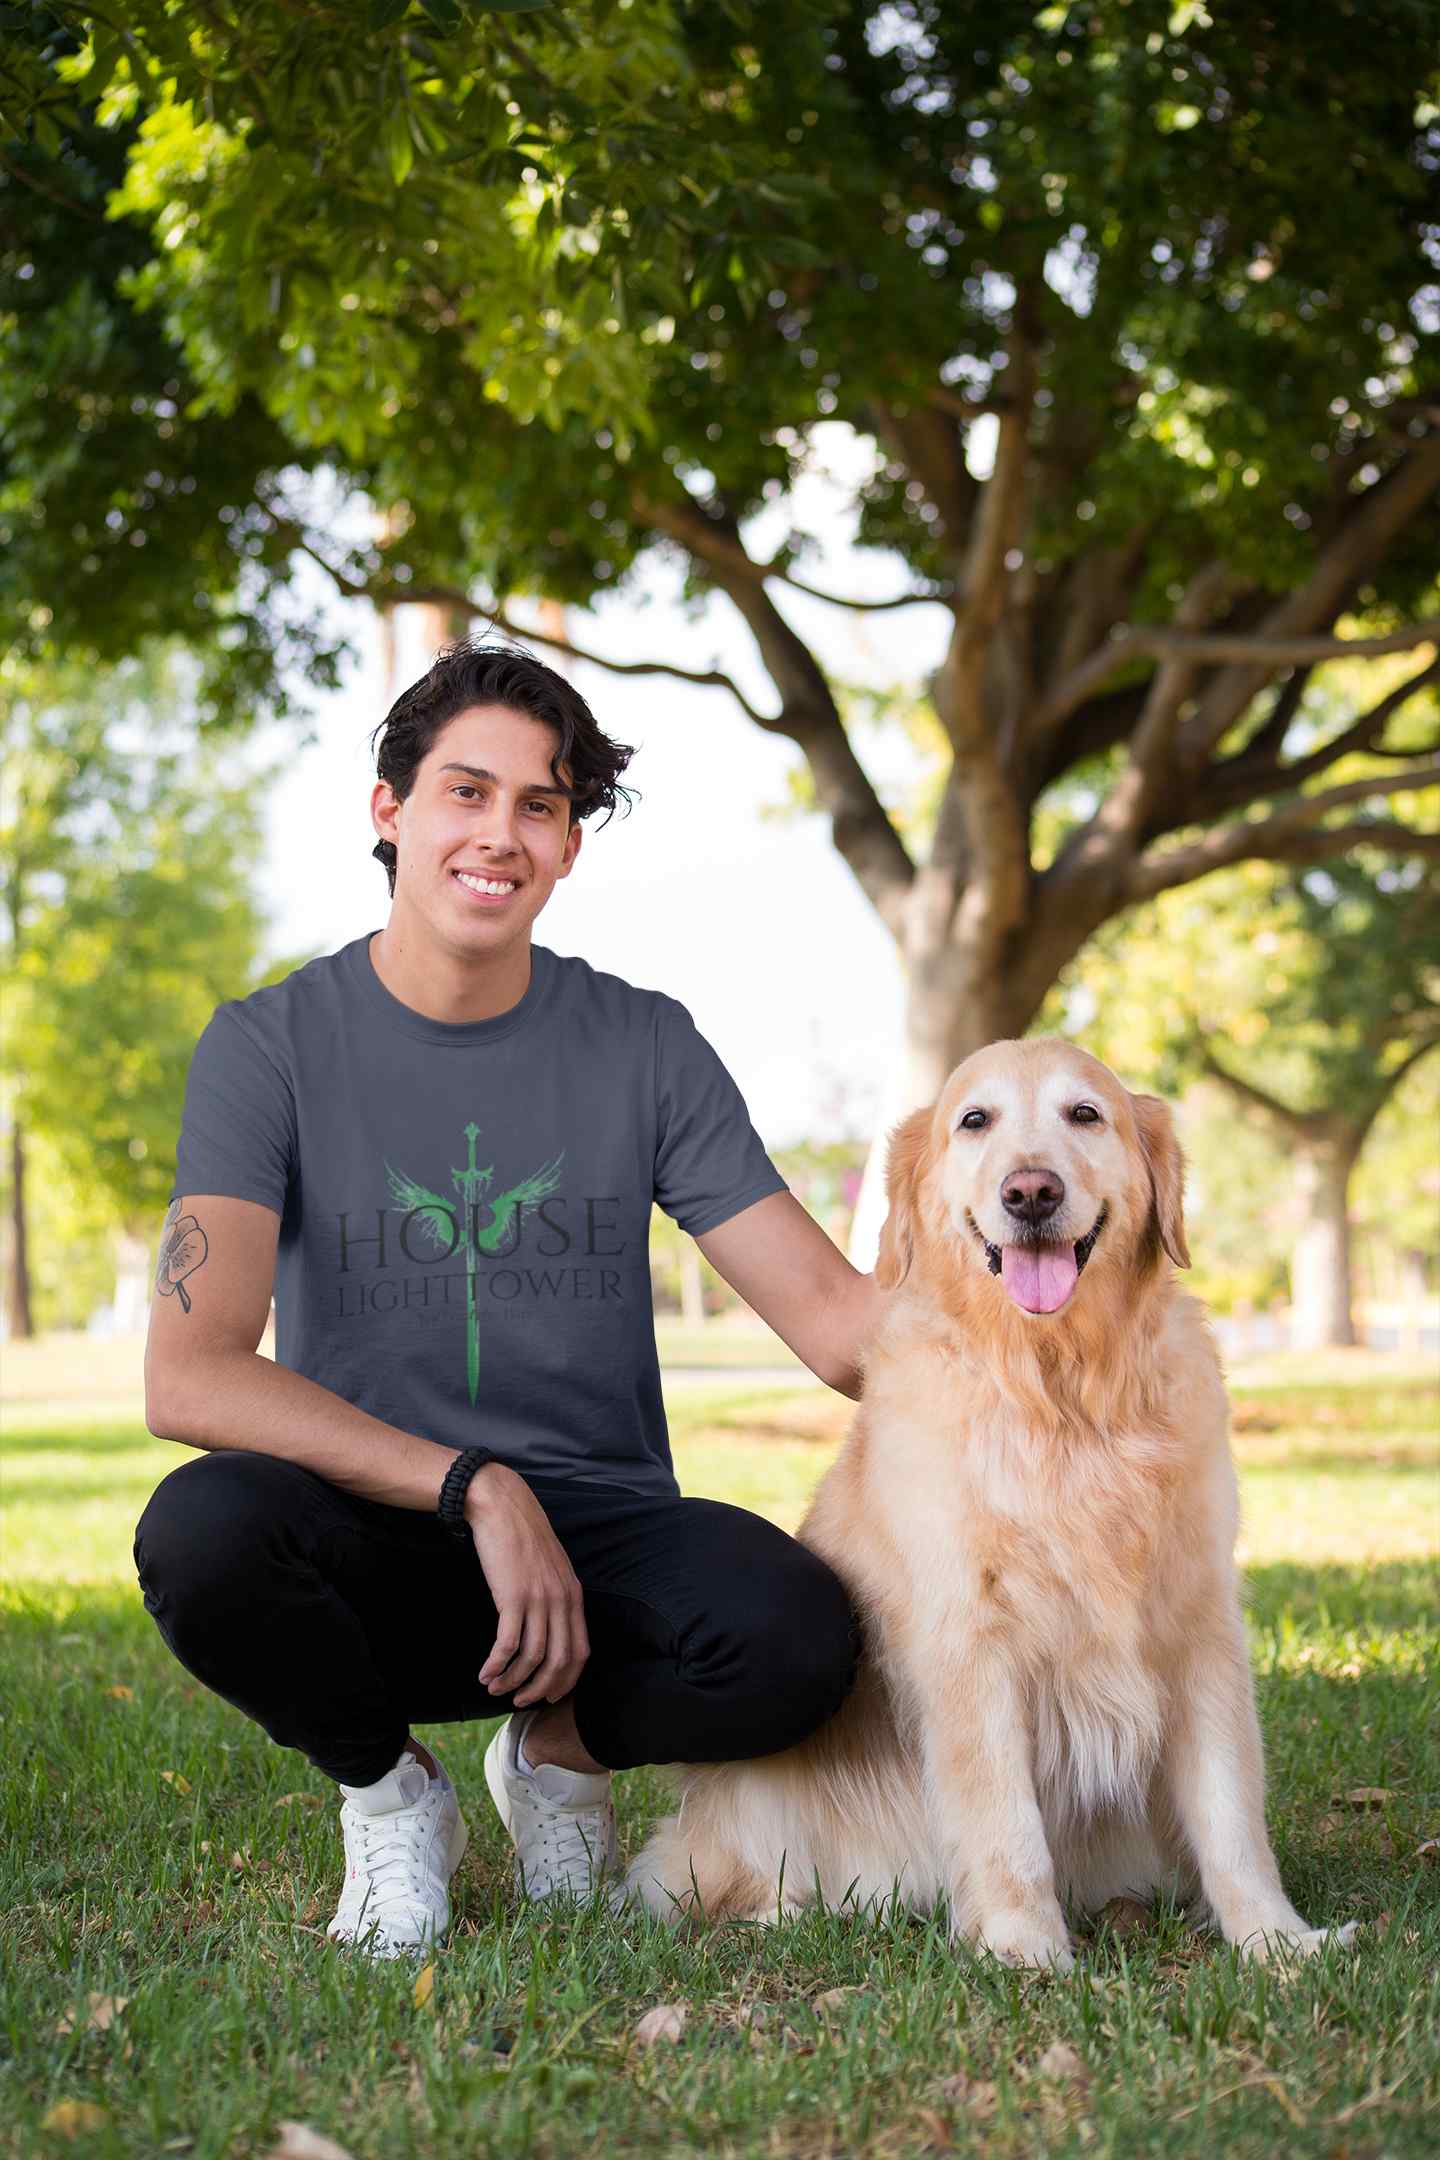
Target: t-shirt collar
{"type": "Point", "coordinates": [384, 1006]}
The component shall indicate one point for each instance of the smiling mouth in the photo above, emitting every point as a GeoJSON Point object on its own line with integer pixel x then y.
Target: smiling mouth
{"type": "Point", "coordinates": [485, 888]}
{"type": "Point", "coordinates": [1041, 1274]}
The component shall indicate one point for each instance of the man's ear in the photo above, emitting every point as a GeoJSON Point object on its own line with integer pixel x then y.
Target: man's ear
{"type": "Point", "coordinates": [904, 1166]}
{"type": "Point", "coordinates": [1166, 1165]}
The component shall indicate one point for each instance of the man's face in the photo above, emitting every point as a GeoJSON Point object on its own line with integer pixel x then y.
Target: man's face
{"type": "Point", "coordinates": [484, 832]}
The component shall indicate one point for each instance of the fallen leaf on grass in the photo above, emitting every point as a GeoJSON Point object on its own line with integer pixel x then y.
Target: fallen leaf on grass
{"type": "Point", "coordinates": [665, 2022]}
{"type": "Point", "coordinates": [121, 1693]}
{"type": "Point", "coordinates": [976, 2095]}
{"type": "Point", "coordinates": [100, 2016]}
{"type": "Point", "coordinates": [71, 2118]}
{"type": "Point", "coordinates": [1430, 1850]}
{"type": "Point", "coordinates": [299, 2142]}
{"type": "Point", "coordinates": [424, 1987]}
{"type": "Point", "coordinates": [1381, 1924]}
{"type": "Point", "coordinates": [1125, 1916]}
{"type": "Point", "coordinates": [932, 2130]}
{"type": "Point", "coordinates": [834, 1998]}
{"type": "Point", "coordinates": [1061, 2062]}
{"type": "Point", "coordinates": [1362, 1796]}
{"type": "Point", "coordinates": [301, 1799]}
{"type": "Point", "coordinates": [175, 1778]}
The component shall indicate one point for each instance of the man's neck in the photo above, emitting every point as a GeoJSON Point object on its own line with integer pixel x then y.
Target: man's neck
{"type": "Point", "coordinates": [442, 985]}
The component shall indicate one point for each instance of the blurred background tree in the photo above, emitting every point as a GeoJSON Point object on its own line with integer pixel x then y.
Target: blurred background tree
{"type": "Point", "coordinates": [127, 855]}
{"type": "Point", "coordinates": [1306, 998]}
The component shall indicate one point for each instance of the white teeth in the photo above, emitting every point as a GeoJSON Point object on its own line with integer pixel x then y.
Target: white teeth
{"type": "Point", "coordinates": [486, 885]}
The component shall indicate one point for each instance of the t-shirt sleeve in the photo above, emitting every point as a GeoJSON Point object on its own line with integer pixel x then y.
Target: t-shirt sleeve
{"type": "Point", "coordinates": [709, 1160]}
{"type": "Point", "coordinates": [237, 1131]}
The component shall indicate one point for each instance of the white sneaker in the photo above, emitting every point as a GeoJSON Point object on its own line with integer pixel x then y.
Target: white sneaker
{"type": "Point", "coordinates": [404, 1839]}
{"type": "Point", "coordinates": [562, 1822]}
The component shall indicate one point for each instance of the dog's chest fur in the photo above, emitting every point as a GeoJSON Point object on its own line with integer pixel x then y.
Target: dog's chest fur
{"type": "Point", "coordinates": [1039, 1550]}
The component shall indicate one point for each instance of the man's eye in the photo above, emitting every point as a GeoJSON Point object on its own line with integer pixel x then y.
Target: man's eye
{"type": "Point", "coordinates": [1085, 1114]}
{"type": "Point", "coordinates": [539, 805]}
{"type": "Point", "coordinates": [974, 1120]}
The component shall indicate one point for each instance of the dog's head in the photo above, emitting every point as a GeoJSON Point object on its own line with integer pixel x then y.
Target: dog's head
{"type": "Point", "coordinates": [1035, 1167]}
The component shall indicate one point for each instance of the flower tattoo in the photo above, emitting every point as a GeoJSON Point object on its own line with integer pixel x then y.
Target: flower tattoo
{"type": "Point", "coordinates": [183, 1247]}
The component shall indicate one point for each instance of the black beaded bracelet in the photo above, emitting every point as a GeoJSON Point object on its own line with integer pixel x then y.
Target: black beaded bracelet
{"type": "Point", "coordinates": [451, 1506]}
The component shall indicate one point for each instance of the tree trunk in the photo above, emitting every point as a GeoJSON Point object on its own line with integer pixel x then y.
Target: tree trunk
{"type": "Point", "coordinates": [22, 1325]}
{"type": "Point", "coordinates": [952, 1007]}
{"type": "Point", "coordinates": [692, 1285]}
{"type": "Point", "coordinates": [1320, 1266]}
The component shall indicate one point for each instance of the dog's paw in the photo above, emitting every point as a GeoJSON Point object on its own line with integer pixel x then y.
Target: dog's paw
{"type": "Point", "coordinates": [1020, 1940]}
{"type": "Point", "coordinates": [772, 1913]}
{"type": "Point", "coordinates": [1271, 1945]}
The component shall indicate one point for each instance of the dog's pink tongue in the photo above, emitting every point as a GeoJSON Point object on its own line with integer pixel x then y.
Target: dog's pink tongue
{"type": "Point", "coordinates": [1039, 1277]}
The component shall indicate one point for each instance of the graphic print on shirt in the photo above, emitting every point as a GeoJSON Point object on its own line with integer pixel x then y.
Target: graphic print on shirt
{"type": "Point", "coordinates": [438, 1217]}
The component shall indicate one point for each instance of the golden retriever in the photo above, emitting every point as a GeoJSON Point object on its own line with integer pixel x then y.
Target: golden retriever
{"type": "Point", "coordinates": [1035, 1512]}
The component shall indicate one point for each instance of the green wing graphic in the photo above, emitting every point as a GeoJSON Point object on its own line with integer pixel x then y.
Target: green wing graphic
{"type": "Point", "coordinates": [536, 1187]}
{"type": "Point", "coordinates": [438, 1216]}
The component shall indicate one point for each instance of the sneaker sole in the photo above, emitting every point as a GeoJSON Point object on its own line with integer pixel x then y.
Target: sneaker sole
{"type": "Point", "coordinates": [495, 1778]}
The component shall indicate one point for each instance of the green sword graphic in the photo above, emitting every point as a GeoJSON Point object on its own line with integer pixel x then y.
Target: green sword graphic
{"type": "Point", "coordinates": [437, 1218]}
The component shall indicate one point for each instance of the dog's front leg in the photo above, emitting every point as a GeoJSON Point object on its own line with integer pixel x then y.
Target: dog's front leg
{"type": "Point", "coordinates": [1214, 1778]}
{"type": "Point", "coordinates": [991, 1839]}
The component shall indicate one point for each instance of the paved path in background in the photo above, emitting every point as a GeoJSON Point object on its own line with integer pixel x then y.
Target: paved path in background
{"type": "Point", "coordinates": [738, 1376]}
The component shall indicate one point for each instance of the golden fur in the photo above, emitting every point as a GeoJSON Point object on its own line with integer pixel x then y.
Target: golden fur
{"type": "Point", "coordinates": [1035, 1514]}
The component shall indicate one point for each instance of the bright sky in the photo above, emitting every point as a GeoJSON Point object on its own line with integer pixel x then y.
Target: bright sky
{"type": "Point", "coordinates": [756, 925]}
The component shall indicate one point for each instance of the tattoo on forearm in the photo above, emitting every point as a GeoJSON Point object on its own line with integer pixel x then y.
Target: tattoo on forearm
{"type": "Point", "coordinates": [183, 1246]}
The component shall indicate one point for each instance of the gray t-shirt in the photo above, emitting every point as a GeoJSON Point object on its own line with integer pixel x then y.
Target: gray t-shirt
{"type": "Point", "coordinates": [465, 1207]}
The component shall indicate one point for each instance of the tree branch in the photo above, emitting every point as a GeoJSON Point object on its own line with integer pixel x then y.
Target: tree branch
{"type": "Point", "coordinates": [455, 597]}
{"type": "Point", "coordinates": [929, 444]}
{"type": "Point", "coordinates": [1295, 1122]}
{"type": "Point", "coordinates": [1289, 835]}
{"type": "Point", "coordinates": [1266, 653]}
{"type": "Point", "coordinates": [1243, 779]}
{"type": "Point", "coordinates": [1392, 1079]}
{"type": "Point", "coordinates": [997, 842]}
{"type": "Point", "coordinates": [860, 826]}
{"type": "Point", "coordinates": [1359, 545]}
{"type": "Point", "coordinates": [942, 596]}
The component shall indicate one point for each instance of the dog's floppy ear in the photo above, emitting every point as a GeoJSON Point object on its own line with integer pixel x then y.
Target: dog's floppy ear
{"type": "Point", "coordinates": [1166, 1165]}
{"type": "Point", "coordinates": [903, 1165]}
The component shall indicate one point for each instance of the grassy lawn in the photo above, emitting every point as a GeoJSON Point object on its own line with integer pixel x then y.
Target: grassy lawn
{"type": "Point", "coordinates": [159, 1849]}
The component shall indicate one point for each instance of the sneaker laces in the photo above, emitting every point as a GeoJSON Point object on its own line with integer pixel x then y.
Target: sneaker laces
{"type": "Point", "coordinates": [390, 1848]}
{"type": "Point", "coordinates": [574, 1839]}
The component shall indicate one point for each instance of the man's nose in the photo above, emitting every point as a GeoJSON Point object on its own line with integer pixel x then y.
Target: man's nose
{"type": "Point", "coordinates": [1032, 1196]}
{"type": "Point", "coordinates": [496, 828]}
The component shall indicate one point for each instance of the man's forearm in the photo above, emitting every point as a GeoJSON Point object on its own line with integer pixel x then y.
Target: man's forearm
{"type": "Point", "coordinates": [854, 1313]}
{"type": "Point", "coordinates": [239, 1399]}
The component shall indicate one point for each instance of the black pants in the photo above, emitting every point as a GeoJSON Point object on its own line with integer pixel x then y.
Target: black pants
{"type": "Point", "coordinates": [338, 1623]}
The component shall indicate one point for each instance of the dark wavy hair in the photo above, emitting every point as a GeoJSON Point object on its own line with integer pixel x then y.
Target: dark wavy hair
{"type": "Point", "coordinates": [469, 673]}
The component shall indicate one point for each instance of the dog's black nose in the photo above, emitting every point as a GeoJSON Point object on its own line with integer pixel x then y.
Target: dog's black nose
{"type": "Point", "coordinates": [1032, 1196]}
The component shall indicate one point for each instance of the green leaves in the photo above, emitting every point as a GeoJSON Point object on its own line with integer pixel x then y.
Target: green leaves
{"type": "Point", "coordinates": [399, 143]}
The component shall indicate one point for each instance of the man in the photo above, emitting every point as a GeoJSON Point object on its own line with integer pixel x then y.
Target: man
{"type": "Point", "coordinates": [451, 1493]}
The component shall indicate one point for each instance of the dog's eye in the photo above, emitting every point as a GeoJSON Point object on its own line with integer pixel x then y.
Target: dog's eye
{"type": "Point", "coordinates": [973, 1120]}
{"type": "Point", "coordinates": [1085, 1113]}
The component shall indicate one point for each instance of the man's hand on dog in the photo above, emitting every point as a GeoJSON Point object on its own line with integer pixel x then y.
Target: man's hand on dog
{"type": "Point", "coordinates": [541, 1643]}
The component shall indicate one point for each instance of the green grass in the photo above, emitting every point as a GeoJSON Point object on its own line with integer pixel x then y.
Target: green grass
{"type": "Point", "coordinates": [205, 1907]}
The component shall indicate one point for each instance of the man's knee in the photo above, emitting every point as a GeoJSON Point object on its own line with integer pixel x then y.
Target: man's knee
{"type": "Point", "coordinates": [212, 1519]}
{"type": "Point", "coordinates": [784, 1651]}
